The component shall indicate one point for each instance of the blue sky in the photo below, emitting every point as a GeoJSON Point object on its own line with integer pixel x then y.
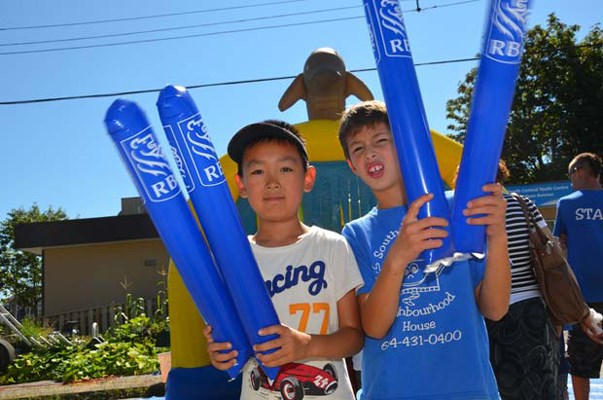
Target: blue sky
{"type": "Point", "coordinates": [58, 153]}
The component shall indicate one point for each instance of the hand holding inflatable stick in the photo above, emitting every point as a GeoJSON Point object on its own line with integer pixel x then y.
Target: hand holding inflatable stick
{"type": "Point", "coordinates": [493, 95]}
{"type": "Point", "coordinates": [217, 213]}
{"type": "Point", "coordinates": [165, 203]}
{"type": "Point", "coordinates": [407, 117]}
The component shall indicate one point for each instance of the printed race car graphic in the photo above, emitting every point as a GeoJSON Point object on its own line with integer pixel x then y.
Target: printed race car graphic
{"type": "Point", "coordinates": [294, 381]}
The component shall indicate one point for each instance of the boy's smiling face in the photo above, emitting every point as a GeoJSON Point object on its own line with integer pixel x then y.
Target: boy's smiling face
{"type": "Point", "coordinates": [373, 159]}
{"type": "Point", "coordinates": [274, 180]}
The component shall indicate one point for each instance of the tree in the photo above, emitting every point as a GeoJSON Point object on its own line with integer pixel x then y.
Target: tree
{"type": "Point", "coordinates": [21, 272]}
{"type": "Point", "coordinates": [556, 111]}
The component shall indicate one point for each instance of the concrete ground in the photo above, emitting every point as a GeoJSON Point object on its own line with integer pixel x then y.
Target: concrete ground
{"type": "Point", "coordinates": [48, 388]}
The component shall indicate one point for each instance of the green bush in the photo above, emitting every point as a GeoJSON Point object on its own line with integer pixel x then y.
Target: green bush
{"type": "Point", "coordinates": [128, 349]}
{"type": "Point", "coordinates": [31, 328]}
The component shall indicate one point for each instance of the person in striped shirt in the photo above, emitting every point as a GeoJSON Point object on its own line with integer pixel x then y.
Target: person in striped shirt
{"type": "Point", "coordinates": [523, 344]}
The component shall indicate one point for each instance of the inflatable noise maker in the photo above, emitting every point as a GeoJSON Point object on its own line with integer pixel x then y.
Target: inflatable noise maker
{"type": "Point", "coordinates": [212, 201]}
{"type": "Point", "coordinates": [493, 95]}
{"type": "Point", "coordinates": [407, 117]}
{"type": "Point", "coordinates": [138, 146]}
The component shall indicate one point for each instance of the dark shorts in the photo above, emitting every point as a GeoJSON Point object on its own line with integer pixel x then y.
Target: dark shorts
{"type": "Point", "coordinates": [584, 355]}
{"type": "Point", "coordinates": [524, 352]}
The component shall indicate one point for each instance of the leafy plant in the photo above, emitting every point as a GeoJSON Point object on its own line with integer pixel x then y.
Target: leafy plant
{"type": "Point", "coordinates": [32, 328]}
{"type": "Point", "coordinates": [129, 349]}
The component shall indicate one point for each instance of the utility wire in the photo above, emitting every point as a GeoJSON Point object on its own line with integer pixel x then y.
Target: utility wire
{"type": "Point", "coordinates": [174, 37]}
{"type": "Point", "coordinates": [181, 27]}
{"type": "Point", "coordinates": [216, 33]}
{"type": "Point", "coordinates": [104, 21]}
{"type": "Point", "coordinates": [205, 85]}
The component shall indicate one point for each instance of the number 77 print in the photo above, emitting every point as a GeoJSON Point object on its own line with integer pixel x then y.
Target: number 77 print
{"type": "Point", "coordinates": [314, 308]}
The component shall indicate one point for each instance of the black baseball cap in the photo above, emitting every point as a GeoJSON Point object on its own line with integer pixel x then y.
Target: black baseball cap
{"type": "Point", "coordinates": [254, 133]}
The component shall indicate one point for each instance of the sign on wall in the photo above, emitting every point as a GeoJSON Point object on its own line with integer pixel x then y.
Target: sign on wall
{"type": "Point", "coordinates": [543, 194]}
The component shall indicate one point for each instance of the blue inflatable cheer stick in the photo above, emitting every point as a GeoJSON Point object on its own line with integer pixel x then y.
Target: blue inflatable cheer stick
{"type": "Point", "coordinates": [493, 95]}
{"type": "Point", "coordinates": [137, 144]}
{"type": "Point", "coordinates": [217, 213]}
{"type": "Point", "coordinates": [407, 116]}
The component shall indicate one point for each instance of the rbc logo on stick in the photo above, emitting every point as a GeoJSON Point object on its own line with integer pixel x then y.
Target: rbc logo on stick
{"type": "Point", "coordinates": [507, 29]}
{"type": "Point", "coordinates": [181, 164]}
{"type": "Point", "coordinates": [150, 165]}
{"type": "Point", "coordinates": [392, 29]}
{"type": "Point", "coordinates": [202, 150]}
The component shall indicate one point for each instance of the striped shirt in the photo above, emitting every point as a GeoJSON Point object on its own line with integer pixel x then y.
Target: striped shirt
{"type": "Point", "coordinates": [523, 282]}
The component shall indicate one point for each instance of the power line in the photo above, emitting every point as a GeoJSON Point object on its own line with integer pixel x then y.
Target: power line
{"type": "Point", "coordinates": [175, 37]}
{"type": "Point", "coordinates": [104, 21]}
{"type": "Point", "coordinates": [217, 33]}
{"type": "Point", "coordinates": [205, 85]}
{"type": "Point", "coordinates": [181, 27]}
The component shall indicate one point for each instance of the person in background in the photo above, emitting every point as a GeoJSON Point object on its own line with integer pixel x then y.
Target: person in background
{"type": "Point", "coordinates": [523, 344]}
{"type": "Point", "coordinates": [579, 227]}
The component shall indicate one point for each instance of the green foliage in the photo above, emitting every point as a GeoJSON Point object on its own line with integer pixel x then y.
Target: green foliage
{"type": "Point", "coordinates": [138, 329]}
{"type": "Point", "coordinates": [134, 308]}
{"type": "Point", "coordinates": [32, 328]}
{"type": "Point", "coordinates": [129, 349]}
{"type": "Point", "coordinates": [74, 363]}
{"type": "Point", "coordinates": [131, 309]}
{"type": "Point", "coordinates": [21, 272]}
{"type": "Point", "coordinates": [557, 105]}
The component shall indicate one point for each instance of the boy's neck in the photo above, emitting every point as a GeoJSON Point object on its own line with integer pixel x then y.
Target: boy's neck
{"type": "Point", "coordinates": [278, 234]}
{"type": "Point", "coordinates": [393, 197]}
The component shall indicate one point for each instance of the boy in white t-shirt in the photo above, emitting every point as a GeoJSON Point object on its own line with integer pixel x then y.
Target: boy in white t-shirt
{"type": "Point", "coordinates": [311, 274]}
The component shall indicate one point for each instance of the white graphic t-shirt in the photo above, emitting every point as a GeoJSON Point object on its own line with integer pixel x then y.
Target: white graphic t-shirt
{"type": "Point", "coordinates": [305, 280]}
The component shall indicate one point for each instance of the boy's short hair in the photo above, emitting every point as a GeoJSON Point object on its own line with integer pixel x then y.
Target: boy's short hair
{"type": "Point", "coordinates": [590, 160]}
{"type": "Point", "coordinates": [366, 113]}
{"type": "Point", "coordinates": [270, 130]}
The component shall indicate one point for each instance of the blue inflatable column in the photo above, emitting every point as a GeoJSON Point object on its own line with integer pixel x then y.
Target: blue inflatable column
{"type": "Point", "coordinates": [493, 94]}
{"type": "Point", "coordinates": [217, 213]}
{"type": "Point", "coordinates": [139, 149]}
{"type": "Point", "coordinates": [407, 116]}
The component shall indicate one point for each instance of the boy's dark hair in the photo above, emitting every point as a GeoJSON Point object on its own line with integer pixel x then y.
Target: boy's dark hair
{"type": "Point", "coordinates": [366, 113]}
{"type": "Point", "coordinates": [270, 130]}
{"type": "Point", "coordinates": [590, 160]}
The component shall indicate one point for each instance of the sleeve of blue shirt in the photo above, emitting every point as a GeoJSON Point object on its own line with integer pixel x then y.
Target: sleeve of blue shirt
{"type": "Point", "coordinates": [361, 252]}
{"type": "Point", "coordinates": [478, 269]}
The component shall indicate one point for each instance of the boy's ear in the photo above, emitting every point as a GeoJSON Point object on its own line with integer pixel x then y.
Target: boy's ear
{"type": "Point", "coordinates": [310, 178]}
{"type": "Point", "coordinates": [241, 186]}
{"type": "Point", "coordinates": [351, 166]}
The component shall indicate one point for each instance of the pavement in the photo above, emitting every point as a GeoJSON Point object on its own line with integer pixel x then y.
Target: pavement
{"type": "Point", "coordinates": [48, 388]}
{"type": "Point", "coordinates": [596, 389]}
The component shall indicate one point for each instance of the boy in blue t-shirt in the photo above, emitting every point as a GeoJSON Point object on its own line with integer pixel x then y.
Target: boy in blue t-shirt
{"type": "Point", "coordinates": [425, 333]}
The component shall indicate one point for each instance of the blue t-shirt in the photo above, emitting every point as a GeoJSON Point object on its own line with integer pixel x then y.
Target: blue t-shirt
{"type": "Point", "coordinates": [580, 217]}
{"type": "Point", "coordinates": [437, 347]}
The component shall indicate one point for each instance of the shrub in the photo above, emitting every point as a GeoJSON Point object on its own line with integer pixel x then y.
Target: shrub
{"type": "Point", "coordinates": [128, 349]}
